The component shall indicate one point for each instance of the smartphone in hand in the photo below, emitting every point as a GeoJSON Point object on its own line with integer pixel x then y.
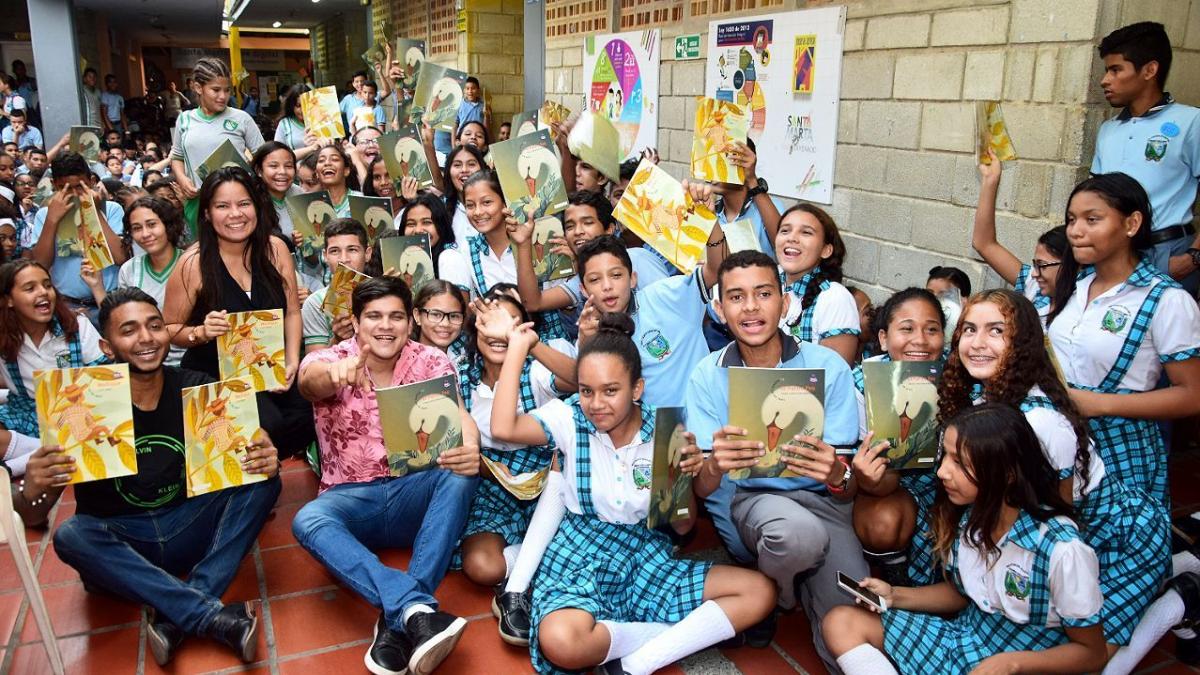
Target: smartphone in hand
{"type": "Point", "coordinates": [857, 590]}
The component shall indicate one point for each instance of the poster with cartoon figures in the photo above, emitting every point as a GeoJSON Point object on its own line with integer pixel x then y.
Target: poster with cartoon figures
{"type": "Point", "coordinates": [785, 70]}
{"type": "Point", "coordinates": [622, 84]}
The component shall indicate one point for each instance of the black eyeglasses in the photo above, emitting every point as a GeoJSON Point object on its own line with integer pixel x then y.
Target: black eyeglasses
{"type": "Point", "coordinates": [438, 316]}
{"type": "Point", "coordinates": [1042, 265]}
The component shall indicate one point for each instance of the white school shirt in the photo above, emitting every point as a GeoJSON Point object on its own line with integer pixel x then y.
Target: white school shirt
{"type": "Point", "coordinates": [454, 267]}
{"type": "Point", "coordinates": [1073, 576]}
{"type": "Point", "coordinates": [835, 314]}
{"type": "Point", "coordinates": [1088, 336]}
{"type": "Point", "coordinates": [620, 478]}
{"type": "Point", "coordinates": [52, 353]}
{"type": "Point", "coordinates": [136, 272]}
{"type": "Point", "coordinates": [541, 381]}
{"type": "Point", "coordinates": [496, 269]}
{"type": "Point", "coordinates": [462, 227]}
{"type": "Point", "coordinates": [1029, 288]}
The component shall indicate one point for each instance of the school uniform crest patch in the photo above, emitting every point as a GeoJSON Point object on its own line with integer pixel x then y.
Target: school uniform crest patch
{"type": "Point", "coordinates": [1016, 582]}
{"type": "Point", "coordinates": [655, 344]}
{"type": "Point", "coordinates": [230, 125]}
{"type": "Point", "coordinates": [642, 473]}
{"type": "Point", "coordinates": [1115, 319]}
{"type": "Point", "coordinates": [1156, 147]}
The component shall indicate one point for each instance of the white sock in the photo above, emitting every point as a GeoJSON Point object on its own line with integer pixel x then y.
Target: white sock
{"type": "Point", "coordinates": [865, 660]}
{"type": "Point", "coordinates": [624, 638]}
{"type": "Point", "coordinates": [1160, 616]}
{"type": "Point", "coordinates": [17, 454]}
{"type": "Point", "coordinates": [416, 609]}
{"type": "Point", "coordinates": [510, 557]}
{"type": "Point", "coordinates": [705, 626]}
{"type": "Point", "coordinates": [542, 527]}
{"type": "Point", "coordinates": [1184, 561]}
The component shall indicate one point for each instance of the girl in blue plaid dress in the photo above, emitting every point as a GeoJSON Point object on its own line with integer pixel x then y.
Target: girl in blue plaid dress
{"type": "Point", "coordinates": [608, 590]}
{"type": "Point", "coordinates": [810, 252]}
{"type": "Point", "coordinates": [1023, 590]}
{"type": "Point", "coordinates": [999, 347]}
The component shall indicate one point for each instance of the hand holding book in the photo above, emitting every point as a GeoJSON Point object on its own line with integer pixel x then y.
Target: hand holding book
{"type": "Point", "coordinates": [811, 457]}
{"type": "Point", "coordinates": [870, 463]}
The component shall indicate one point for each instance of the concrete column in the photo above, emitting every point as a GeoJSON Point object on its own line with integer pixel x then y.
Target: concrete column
{"type": "Point", "coordinates": [534, 28]}
{"type": "Point", "coordinates": [52, 25]}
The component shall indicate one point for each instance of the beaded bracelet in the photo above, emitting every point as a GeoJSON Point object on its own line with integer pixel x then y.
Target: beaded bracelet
{"type": "Point", "coordinates": [32, 502]}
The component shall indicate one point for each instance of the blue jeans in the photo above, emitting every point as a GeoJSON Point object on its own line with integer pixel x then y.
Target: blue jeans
{"type": "Point", "coordinates": [138, 556]}
{"type": "Point", "coordinates": [425, 511]}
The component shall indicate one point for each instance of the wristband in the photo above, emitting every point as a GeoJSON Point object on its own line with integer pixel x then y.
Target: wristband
{"type": "Point", "coordinates": [846, 475]}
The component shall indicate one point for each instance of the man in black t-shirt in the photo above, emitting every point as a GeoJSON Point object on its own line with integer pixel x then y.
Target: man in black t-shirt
{"type": "Point", "coordinates": [131, 536]}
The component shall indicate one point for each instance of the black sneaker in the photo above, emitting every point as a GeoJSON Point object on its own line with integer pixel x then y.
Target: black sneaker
{"type": "Point", "coordinates": [611, 668]}
{"type": "Point", "coordinates": [1187, 585]}
{"type": "Point", "coordinates": [164, 638]}
{"type": "Point", "coordinates": [514, 618]}
{"type": "Point", "coordinates": [236, 627]}
{"type": "Point", "coordinates": [389, 652]}
{"type": "Point", "coordinates": [433, 636]}
{"type": "Point", "coordinates": [891, 567]}
{"type": "Point", "coordinates": [497, 591]}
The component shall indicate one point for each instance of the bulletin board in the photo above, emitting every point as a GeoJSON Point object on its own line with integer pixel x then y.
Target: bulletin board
{"type": "Point", "coordinates": [621, 71]}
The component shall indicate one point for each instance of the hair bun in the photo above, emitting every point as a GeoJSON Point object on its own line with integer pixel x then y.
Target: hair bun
{"type": "Point", "coordinates": [618, 322]}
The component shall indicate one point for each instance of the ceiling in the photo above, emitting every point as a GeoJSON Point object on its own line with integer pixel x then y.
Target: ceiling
{"type": "Point", "coordinates": [293, 13]}
{"type": "Point", "coordinates": [161, 21]}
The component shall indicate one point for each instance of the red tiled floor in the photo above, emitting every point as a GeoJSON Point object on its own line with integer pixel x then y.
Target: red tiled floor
{"type": "Point", "coordinates": [74, 610]}
{"type": "Point", "coordinates": [481, 651]}
{"type": "Point", "coordinates": [794, 636]}
{"type": "Point", "coordinates": [10, 608]}
{"type": "Point", "coordinates": [347, 660]}
{"type": "Point", "coordinates": [298, 487]}
{"type": "Point", "coordinates": [292, 569]}
{"type": "Point", "coordinates": [9, 579]}
{"type": "Point", "coordinates": [245, 584]}
{"type": "Point", "coordinates": [751, 660]}
{"type": "Point", "coordinates": [54, 570]}
{"type": "Point", "coordinates": [319, 620]}
{"type": "Point", "coordinates": [278, 529]}
{"type": "Point", "coordinates": [199, 655]}
{"type": "Point", "coordinates": [458, 595]}
{"type": "Point", "coordinates": [101, 653]}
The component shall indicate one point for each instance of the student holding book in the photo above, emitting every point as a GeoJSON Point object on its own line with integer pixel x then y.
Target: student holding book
{"type": "Point", "coordinates": [379, 184]}
{"type": "Point", "coordinates": [237, 266]}
{"type": "Point", "coordinates": [748, 200]}
{"type": "Point", "coordinates": [891, 510]}
{"type": "Point", "coordinates": [336, 176]}
{"type": "Point", "coordinates": [799, 529]}
{"type": "Point", "coordinates": [608, 590]}
{"type": "Point", "coordinates": [1023, 592]}
{"type": "Point", "coordinates": [1128, 530]}
{"type": "Point", "coordinates": [496, 526]}
{"type": "Point", "coordinates": [1036, 279]}
{"type": "Point", "coordinates": [426, 214]}
{"type": "Point", "coordinates": [155, 226]}
{"type": "Point", "coordinates": [289, 131]}
{"type": "Point", "coordinates": [345, 244]}
{"type": "Point", "coordinates": [132, 536]}
{"type": "Point", "coordinates": [361, 508]}
{"type": "Point", "coordinates": [463, 162]}
{"type": "Point", "coordinates": [810, 252]}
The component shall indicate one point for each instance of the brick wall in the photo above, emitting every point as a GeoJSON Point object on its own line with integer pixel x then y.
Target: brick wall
{"type": "Point", "coordinates": [906, 181]}
{"type": "Point", "coordinates": [494, 50]}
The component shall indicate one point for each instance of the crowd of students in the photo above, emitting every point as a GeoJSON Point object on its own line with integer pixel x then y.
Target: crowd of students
{"type": "Point", "coordinates": [1040, 542]}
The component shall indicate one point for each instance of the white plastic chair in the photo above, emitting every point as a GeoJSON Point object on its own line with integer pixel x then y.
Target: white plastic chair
{"type": "Point", "coordinates": [12, 530]}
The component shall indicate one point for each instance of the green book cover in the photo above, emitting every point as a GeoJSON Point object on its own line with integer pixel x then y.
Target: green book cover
{"type": "Point", "coordinates": [337, 294]}
{"type": "Point", "coordinates": [86, 141]}
{"type": "Point", "coordinates": [310, 213]}
{"type": "Point", "coordinates": [404, 155]}
{"type": "Point", "coordinates": [44, 191]}
{"type": "Point", "coordinates": [525, 123]}
{"type": "Point", "coordinates": [410, 54]}
{"type": "Point", "coordinates": [88, 412]}
{"type": "Point", "coordinates": [420, 422]}
{"type": "Point", "coordinates": [409, 257]}
{"type": "Point", "coordinates": [773, 405]}
{"type": "Point", "coordinates": [375, 213]}
{"type": "Point", "coordinates": [529, 171]}
{"type": "Point", "coordinates": [438, 95]}
{"type": "Point", "coordinates": [596, 141]}
{"type": "Point", "coordinates": [224, 155]}
{"type": "Point", "coordinates": [253, 349]}
{"type": "Point", "coordinates": [220, 420]}
{"type": "Point", "coordinates": [670, 488]}
{"type": "Point", "coordinates": [901, 399]}
{"type": "Point", "coordinates": [376, 54]}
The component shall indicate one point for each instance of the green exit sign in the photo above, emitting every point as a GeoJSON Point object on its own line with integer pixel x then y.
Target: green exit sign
{"type": "Point", "coordinates": [687, 47]}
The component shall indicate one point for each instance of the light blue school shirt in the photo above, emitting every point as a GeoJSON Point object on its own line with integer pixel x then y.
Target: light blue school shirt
{"type": "Point", "coordinates": [708, 411]}
{"type": "Point", "coordinates": [65, 271]}
{"type": "Point", "coordinates": [349, 103]}
{"type": "Point", "coordinates": [1160, 149]}
{"type": "Point", "coordinates": [31, 138]}
{"type": "Point", "coordinates": [750, 212]}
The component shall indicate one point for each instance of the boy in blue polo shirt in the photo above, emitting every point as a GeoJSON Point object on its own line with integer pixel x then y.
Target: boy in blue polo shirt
{"type": "Point", "coordinates": [799, 529]}
{"type": "Point", "coordinates": [1153, 139]}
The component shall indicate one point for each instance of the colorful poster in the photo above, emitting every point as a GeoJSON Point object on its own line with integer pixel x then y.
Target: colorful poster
{"type": "Point", "coordinates": [225, 155]}
{"type": "Point", "coordinates": [88, 412]}
{"type": "Point", "coordinates": [774, 405]}
{"type": "Point", "coordinates": [621, 72]}
{"type": "Point", "coordinates": [670, 488]}
{"type": "Point", "coordinates": [253, 349]}
{"type": "Point", "coordinates": [86, 141]}
{"type": "Point", "coordinates": [529, 172]}
{"type": "Point", "coordinates": [219, 423]}
{"type": "Point", "coordinates": [438, 95]}
{"type": "Point", "coordinates": [992, 133]}
{"type": "Point", "coordinates": [311, 213]}
{"type": "Point", "coordinates": [901, 400]}
{"type": "Point", "coordinates": [785, 71]}
{"type": "Point", "coordinates": [719, 124]}
{"type": "Point", "coordinates": [322, 116]}
{"type": "Point", "coordinates": [408, 257]}
{"type": "Point", "coordinates": [404, 155]}
{"type": "Point", "coordinates": [659, 211]}
{"type": "Point", "coordinates": [420, 422]}
{"type": "Point", "coordinates": [375, 213]}
{"type": "Point", "coordinates": [341, 286]}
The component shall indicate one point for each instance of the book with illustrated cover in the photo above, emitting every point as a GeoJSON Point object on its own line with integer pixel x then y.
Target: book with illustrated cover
{"type": "Point", "coordinates": [420, 421]}
{"type": "Point", "coordinates": [310, 213]}
{"type": "Point", "coordinates": [992, 133]}
{"type": "Point", "coordinates": [253, 349]}
{"type": "Point", "coordinates": [438, 95]}
{"type": "Point", "coordinates": [551, 113]}
{"type": "Point", "coordinates": [322, 116]}
{"type": "Point", "coordinates": [525, 123]}
{"type": "Point", "coordinates": [410, 54]}
{"type": "Point", "coordinates": [224, 155]}
{"type": "Point", "coordinates": [341, 286]}
{"type": "Point", "coordinates": [670, 488]}
{"type": "Point", "coordinates": [376, 54]}
{"type": "Point", "coordinates": [547, 264]}
{"type": "Point", "coordinates": [719, 124]}
{"type": "Point", "coordinates": [80, 234]}
{"type": "Point", "coordinates": [375, 213]}
{"type": "Point", "coordinates": [596, 141]}
{"type": "Point", "coordinates": [774, 405]}
{"type": "Point", "coordinates": [523, 486]}
{"type": "Point", "coordinates": [410, 258]}
{"type": "Point", "coordinates": [741, 236]}
{"type": "Point", "coordinates": [659, 211]}
{"type": "Point", "coordinates": [86, 141]}
{"type": "Point", "coordinates": [88, 412]}
{"type": "Point", "coordinates": [404, 155]}
{"type": "Point", "coordinates": [529, 173]}
{"type": "Point", "coordinates": [901, 399]}
{"type": "Point", "coordinates": [220, 420]}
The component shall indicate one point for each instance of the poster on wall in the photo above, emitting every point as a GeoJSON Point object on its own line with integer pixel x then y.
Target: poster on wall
{"type": "Point", "coordinates": [785, 70]}
{"type": "Point", "coordinates": [622, 84]}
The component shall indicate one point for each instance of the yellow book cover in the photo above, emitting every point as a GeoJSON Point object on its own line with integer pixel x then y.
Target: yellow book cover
{"type": "Point", "coordinates": [88, 412]}
{"type": "Point", "coordinates": [901, 400]}
{"type": "Point", "coordinates": [670, 488]}
{"type": "Point", "coordinates": [659, 211]}
{"type": "Point", "coordinates": [992, 132]}
{"type": "Point", "coordinates": [219, 422]}
{"type": "Point", "coordinates": [719, 124]}
{"type": "Point", "coordinates": [773, 405]}
{"type": "Point", "coordinates": [551, 113]}
{"type": "Point", "coordinates": [420, 421]}
{"type": "Point", "coordinates": [253, 349]}
{"type": "Point", "coordinates": [92, 242]}
{"type": "Point", "coordinates": [409, 257]}
{"type": "Point", "coordinates": [341, 286]}
{"type": "Point", "coordinates": [322, 116]}
{"type": "Point", "coordinates": [523, 486]}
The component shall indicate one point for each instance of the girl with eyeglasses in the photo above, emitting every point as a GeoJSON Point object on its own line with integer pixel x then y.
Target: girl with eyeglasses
{"type": "Point", "coordinates": [438, 321]}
